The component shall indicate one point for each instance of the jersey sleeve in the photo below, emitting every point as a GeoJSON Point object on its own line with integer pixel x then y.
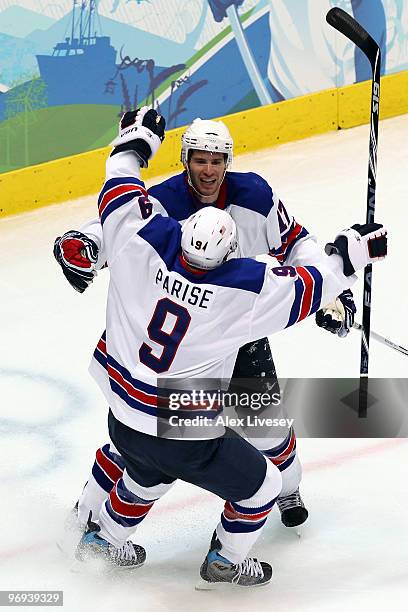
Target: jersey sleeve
{"type": "Point", "coordinates": [290, 294]}
{"type": "Point", "coordinates": [307, 252]}
{"type": "Point", "coordinates": [93, 229]}
{"type": "Point", "coordinates": [291, 234]}
{"type": "Point", "coordinates": [298, 247]}
{"type": "Point", "coordinates": [123, 204]}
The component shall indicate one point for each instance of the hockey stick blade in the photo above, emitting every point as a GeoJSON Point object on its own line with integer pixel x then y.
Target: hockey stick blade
{"type": "Point", "coordinates": [347, 25]}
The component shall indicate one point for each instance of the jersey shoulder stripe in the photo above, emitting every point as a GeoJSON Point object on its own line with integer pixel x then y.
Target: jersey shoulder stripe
{"type": "Point", "coordinates": [116, 192]}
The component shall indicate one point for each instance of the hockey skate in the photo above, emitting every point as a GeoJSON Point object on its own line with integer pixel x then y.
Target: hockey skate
{"type": "Point", "coordinates": [93, 547]}
{"type": "Point", "coordinates": [292, 509]}
{"type": "Point", "coordinates": [217, 571]}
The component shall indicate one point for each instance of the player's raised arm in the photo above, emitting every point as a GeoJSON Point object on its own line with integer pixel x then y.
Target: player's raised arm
{"type": "Point", "coordinates": [123, 203]}
{"type": "Point", "coordinates": [81, 253]}
{"type": "Point", "coordinates": [290, 293]}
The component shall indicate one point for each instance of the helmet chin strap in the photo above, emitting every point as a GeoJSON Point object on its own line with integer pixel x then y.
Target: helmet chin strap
{"type": "Point", "coordinates": [203, 198]}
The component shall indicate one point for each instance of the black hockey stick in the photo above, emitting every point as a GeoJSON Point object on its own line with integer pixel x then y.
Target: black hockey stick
{"type": "Point", "coordinates": [347, 25]}
{"type": "Point", "coordinates": [396, 347]}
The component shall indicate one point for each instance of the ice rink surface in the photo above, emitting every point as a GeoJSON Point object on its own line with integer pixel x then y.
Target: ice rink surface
{"type": "Point", "coordinates": [353, 550]}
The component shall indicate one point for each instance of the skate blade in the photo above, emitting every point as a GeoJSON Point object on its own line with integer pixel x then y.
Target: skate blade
{"type": "Point", "coordinates": [203, 585]}
{"type": "Point", "coordinates": [296, 530]}
{"type": "Point", "coordinates": [100, 566]}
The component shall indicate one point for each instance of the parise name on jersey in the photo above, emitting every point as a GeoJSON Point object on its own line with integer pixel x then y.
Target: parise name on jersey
{"type": "Point", "coordinates": [188, 293]}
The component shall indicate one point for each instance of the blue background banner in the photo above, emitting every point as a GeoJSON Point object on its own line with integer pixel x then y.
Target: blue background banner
{"type": "Point", "coordinates": [84, 62]}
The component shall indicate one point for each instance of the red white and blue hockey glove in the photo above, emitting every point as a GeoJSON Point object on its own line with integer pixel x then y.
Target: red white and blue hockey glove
{"type": "Point", "coordinates": [337, 317]}
{"type": "Point", "coordinates": [77, 255]}
{"type": "Point", "coordinates": [141, 131]}
{"type": "Point", "coordinates": [359, 245]}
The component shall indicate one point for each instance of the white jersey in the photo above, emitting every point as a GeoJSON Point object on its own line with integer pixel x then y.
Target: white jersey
{"type": "Point", "coordinates": [166, 320]}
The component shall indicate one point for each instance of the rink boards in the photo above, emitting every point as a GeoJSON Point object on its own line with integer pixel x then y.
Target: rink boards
{"type": "Point", "coordinates": [79, 175]}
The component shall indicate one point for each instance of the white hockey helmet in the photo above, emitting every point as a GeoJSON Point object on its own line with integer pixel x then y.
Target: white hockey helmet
{"type": "Point", "coordinates": [209, 237]}
{"type": "Point", "coordinates": [207, 135]}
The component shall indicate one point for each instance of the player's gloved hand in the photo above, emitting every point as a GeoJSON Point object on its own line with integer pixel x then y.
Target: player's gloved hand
{"type": "Point", "coordinates": [359, 245]}
{"type": "Point", "coordinates": [77, 255]}
{"type": "Point", "coordinates": [142, 131]}
{"type": "Point", "coordinates": [338, 316]}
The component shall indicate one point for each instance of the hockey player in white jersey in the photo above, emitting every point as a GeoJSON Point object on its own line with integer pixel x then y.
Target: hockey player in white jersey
{"type": "Point", "coordinates": [199, 304]}
{"type": "Point", "coordinates": [264, 226]}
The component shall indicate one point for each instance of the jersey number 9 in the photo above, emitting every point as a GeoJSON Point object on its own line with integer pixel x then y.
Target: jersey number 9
{"type": "Point", "coordinates": [169, 340]}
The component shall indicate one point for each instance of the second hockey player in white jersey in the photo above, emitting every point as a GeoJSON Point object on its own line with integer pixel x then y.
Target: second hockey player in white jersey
{"type": "Point", "coordinates": [199, 304]}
